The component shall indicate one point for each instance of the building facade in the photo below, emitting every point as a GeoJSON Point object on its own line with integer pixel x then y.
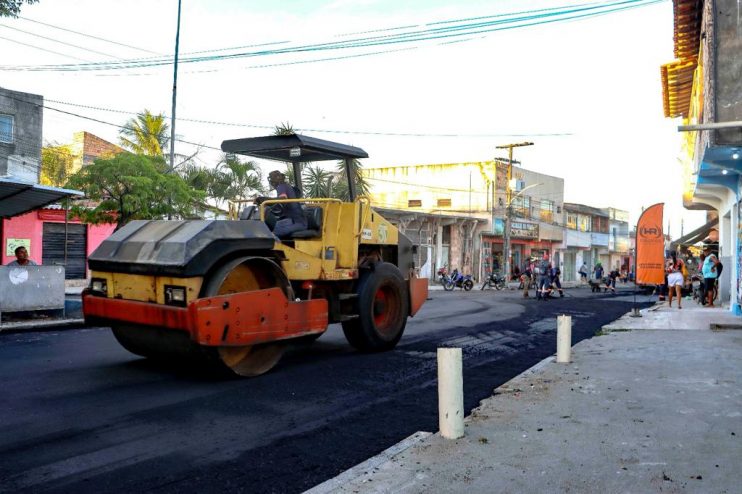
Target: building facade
{"type": "Point", "coordinates": [702, 86]}
{"type": "Point", "coordinates": [21, 121]}
{"type": "Point", "coordinates": [463, 208]}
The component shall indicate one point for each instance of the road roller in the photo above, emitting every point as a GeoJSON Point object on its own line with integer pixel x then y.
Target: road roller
{"type": "Point", "coordinates": [229, 294]}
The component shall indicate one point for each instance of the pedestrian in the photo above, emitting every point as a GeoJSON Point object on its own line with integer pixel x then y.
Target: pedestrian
{"type": "Point", "coordinates": [555, 273]}
{"type": "Point", "coordinates": [598, 270]}
{"type": "Point", "coordinates": [675, 280]}
{"type": "Point", "coordinates": [21, 258]}
{"type": "Point", "coordinates": [710, 274]}
{"type": "Point", "coordinates": [291, 218]}
{"type": "Point", "coordinates": [543, 289]}
{"type": "Point", "coordinates": [610, 280]}
{"type": "Point", "coordinates": [583, 273]}
{"type": "Point", "coordinates": [525, 281]}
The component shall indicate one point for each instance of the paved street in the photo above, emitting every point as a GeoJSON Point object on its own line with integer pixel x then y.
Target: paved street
{"type": "Point", "coordinates": [81, 414]}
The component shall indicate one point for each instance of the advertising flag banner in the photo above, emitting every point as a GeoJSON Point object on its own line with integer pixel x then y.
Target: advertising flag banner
{"type": "Point", "coordinates": [650, 247]}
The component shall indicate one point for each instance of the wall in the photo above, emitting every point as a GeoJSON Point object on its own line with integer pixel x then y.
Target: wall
{"type": "Point", "coordinates": [22, 157]}
{"type": "Point", "coordinates": [728, 84]}
{"type": "Point", "coordinates": [31, 226]}
{"type": "Point", "coordinates": [87, 147]}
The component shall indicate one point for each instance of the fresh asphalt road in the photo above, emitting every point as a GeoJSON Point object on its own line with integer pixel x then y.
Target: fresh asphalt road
{"type": "Point", "coordinates": [80, 414]}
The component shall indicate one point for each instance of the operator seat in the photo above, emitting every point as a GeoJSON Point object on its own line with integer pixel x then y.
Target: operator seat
{"type": "Point", "coordinates": [313, 216]}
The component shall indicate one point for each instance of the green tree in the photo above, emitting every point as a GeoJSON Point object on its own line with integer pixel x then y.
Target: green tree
{"type": "Point", "coordinates": [317, 182]}
{"type": "Point", "coordinates": [11, 8]}
{"type": "Point", "coordinates": [237, 180]}
{"type": "Point", "coordinates": [128, 187]}
{"type": "Point", "coordinates": [57, 163]}
{"type": "Point", "coordinates": [340, 188]}
{"type": "Point", "coordinates": [146, 134]}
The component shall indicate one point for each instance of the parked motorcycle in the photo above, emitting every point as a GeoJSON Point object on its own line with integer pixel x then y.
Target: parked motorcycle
{"type": "Point", "coordinates": [459, 280]}
{"type": "Point", "coordinates": [494, 280]}
{"type": "Point", "coordinates": [443, 277]}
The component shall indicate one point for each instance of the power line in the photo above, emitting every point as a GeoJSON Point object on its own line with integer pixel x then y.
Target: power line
{"type": "Point", "coordinates": [88, 35]}
{"type": "Point", "coordinates": [42, 49]}
{"type": "Point", "coordinates": [564, 14]}
{"type": "Point", "coordinates": [326, 131]}
{"type": "Point", "coordinates": [59, 41]}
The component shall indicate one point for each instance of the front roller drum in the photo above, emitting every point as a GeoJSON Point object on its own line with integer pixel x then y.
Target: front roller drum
{"type": "Point", "coordinates": [244, 275]}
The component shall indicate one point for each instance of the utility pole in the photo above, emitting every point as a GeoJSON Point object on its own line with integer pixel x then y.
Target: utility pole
{"type": "Point", "coordinates": [508, 204]}
{"type": "Point", "coordinates": [171, 168]}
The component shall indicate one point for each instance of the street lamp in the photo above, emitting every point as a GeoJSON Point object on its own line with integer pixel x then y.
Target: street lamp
{"type": "Point", "coordinates": [509, 201]}
{"type": "Point", "coordinates": [506, 233]}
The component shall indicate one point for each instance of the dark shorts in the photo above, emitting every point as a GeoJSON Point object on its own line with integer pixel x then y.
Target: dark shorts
{"type": "Point", "coordinates": [709, 284]}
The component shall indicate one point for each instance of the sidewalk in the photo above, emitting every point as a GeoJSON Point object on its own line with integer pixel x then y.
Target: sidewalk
{"type": "Point", "coordinates": [652, 405]}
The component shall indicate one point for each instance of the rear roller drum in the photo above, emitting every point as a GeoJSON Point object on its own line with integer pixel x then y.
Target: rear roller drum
{"type": "Point", "coordinates": [382, 308]}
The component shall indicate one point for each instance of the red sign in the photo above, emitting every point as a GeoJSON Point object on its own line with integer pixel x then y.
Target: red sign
{"type": "Point", "coordinates": [650, 247]}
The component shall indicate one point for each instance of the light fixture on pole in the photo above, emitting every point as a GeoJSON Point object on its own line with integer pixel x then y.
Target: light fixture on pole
{"type": "Point", "coordinates": [508, 204]}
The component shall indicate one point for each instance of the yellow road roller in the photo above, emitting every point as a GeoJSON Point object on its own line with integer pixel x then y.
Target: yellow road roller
{"type": "Point", "coordinates": [230, 294]}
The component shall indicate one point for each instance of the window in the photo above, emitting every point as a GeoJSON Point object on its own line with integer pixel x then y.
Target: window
{"type": "Point", "coordinates": [547, 210]}
{"type": "Point", "coordinates": [414, 203]}
{"type": "Point", "coordinates": [522, 206]}
{"type": "Point", "coordinates": [444, 203]}
{"type": "Point", "coordinates": [6, 128]}
{"type": "Point", "coordinates": [572, 221]}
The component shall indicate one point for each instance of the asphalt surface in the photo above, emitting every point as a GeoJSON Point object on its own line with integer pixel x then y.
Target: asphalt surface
{"type": "Point", "coordinates": [80, 414]}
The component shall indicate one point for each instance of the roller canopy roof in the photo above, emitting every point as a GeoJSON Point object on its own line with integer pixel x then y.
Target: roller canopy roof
{"type": "Point", "coordinates": [18, 197]}
{"type": "Point", "coordinates": [280, 148]}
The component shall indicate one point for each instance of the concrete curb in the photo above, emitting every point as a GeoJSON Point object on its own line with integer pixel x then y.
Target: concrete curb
{"type": "Point", "coordinates": [368, 465]}
{"type": "Point", "coordinates": [388, 454]}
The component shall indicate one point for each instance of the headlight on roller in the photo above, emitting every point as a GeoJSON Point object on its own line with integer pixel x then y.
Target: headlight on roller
{"type": "Point", "coordinates": [99, 285]}
{"type": "Point", "coordinates": [175, 295]}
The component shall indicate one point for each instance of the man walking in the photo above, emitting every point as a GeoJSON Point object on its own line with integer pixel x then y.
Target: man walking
{"type": "Point", "coordinates": [583, 273]}
{"type": "Point", "coordinates": [544, 279]}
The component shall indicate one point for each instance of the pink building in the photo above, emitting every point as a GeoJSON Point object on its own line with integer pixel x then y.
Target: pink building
{"type": "Point", "coordinates": [43, 233]}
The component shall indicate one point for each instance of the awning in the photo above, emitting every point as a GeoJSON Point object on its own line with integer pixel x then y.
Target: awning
{"type": "Point", "coordinates": [696, 235]}
{"type": "Point", "coordinates": [18, 197]}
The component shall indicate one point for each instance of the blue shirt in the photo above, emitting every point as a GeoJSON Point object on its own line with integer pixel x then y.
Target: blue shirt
{"type": "Point", "coordinates": [707, 265]}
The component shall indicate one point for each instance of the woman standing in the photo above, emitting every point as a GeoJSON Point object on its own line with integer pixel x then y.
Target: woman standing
{"type": "Point", "coordinates": [675, 278]}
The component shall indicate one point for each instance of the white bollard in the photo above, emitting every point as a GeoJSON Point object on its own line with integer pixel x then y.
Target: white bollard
{"type": "Point", "coordinates": [564, 339]}
{"type": "Point", "coordinates": [450, 393]}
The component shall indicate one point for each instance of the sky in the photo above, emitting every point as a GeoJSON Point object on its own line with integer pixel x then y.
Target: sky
{"type": "Point", "coordinates": [585, 91]}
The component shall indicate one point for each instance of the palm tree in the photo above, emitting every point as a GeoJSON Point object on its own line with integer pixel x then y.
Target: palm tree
{"type": "Point", "coordinates": [145, 134]}
{"type": "Point", "coordinates": [243, 179]}
{"type": "Point", "coordinates": [317, 182]}
{"type": "Point", "coordinates": [340, 189]}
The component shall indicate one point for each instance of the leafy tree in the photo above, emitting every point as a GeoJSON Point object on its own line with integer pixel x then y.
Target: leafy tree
{"type": "Point", "coordinates": [128, 187]}
{"type": "Point", "coordinates": [11, 8]}
{"type": "Point", "coordinates": [57, 163]}
{"type": "Point", "coordinates": [146, 134]}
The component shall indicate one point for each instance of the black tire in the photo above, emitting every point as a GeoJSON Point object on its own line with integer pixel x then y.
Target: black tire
{"type": "Point", "coordinates": [449, 285]}
{"type": "Point", "coordinates": [485, 285]}
{"type": "Point", "coordinates": [382, 306]}
{"type": "Point", "coordinates": [499, 286]}
{"type": "Point", "coordinates": [468, 285]}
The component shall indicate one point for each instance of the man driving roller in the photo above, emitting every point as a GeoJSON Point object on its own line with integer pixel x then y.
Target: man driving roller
{"type": "Point", "coordinates": [291, 219]}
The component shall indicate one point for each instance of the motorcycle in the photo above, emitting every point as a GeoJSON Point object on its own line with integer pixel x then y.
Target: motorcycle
{"type": "Point", "coordinates": [494, 280]}
{"type": "Point", "coordinates": [458, 280]}
{"type": "Point", "coordinates": [443, 277]}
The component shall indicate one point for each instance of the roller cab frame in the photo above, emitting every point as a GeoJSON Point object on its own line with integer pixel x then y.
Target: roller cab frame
{"type": "Point", "coordinates": [229, 293]}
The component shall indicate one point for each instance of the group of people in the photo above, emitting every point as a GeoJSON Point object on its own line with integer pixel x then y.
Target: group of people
{"type": "Point", "coordinates": [677, 274]}
{"type": "Point", "coordinates": [608, 282]}
{"type": "Point", "coordinates": [547, 279]}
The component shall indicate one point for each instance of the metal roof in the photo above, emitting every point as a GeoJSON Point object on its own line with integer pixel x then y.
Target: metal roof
{"type": "Point", "coordinates": [18, 197]}
{"type": "Point", "coordinates": [677, 76]}
{"type": "Point", "coordinates": [292, 148]}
